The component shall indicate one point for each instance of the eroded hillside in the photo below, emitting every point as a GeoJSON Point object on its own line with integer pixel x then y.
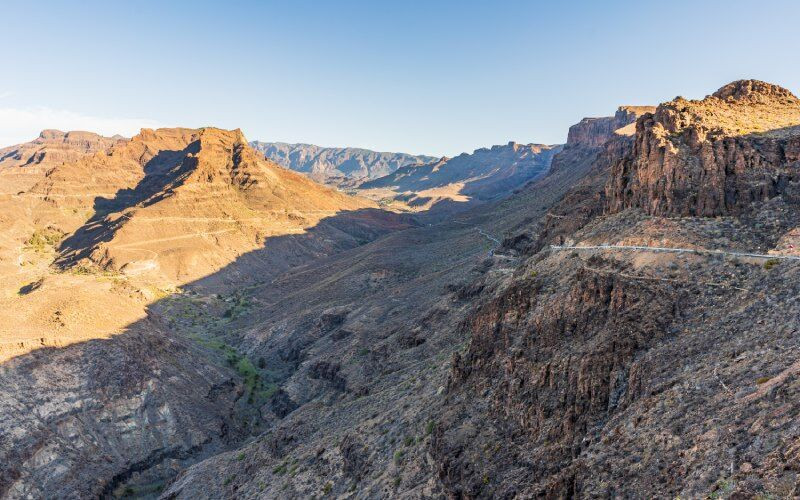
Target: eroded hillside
{"type": "Point", "coordinates": [97, 387]}
{"type": "Point", "coordinates": [532, 371]}
{"type": "Point", "coordinates": [599, 332]}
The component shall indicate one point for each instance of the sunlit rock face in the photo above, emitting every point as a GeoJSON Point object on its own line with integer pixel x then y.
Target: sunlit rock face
{"type": "Point", "coordinates": [715, 156]}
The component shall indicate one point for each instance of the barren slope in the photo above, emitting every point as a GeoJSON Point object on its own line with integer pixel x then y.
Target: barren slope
{"type": "Point", "coordinates": [97, 390]}
{"type": "Point", "coordinates": [199, 206]}
{"type": "Point", "coordinates": [142, 217]}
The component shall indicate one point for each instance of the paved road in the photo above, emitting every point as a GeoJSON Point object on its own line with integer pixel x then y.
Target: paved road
{"type": "Point", "coordinates": [675, 250]}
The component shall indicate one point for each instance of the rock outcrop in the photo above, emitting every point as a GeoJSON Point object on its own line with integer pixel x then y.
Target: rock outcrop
{"type": "Point", "coordinates": [79, 421]}
{"type": "Point", "coordinates": [594, 132]}
{"type": "Point", "coordinates": [588, 137]}
{"type": "Point", "coordinates": [716, 156]}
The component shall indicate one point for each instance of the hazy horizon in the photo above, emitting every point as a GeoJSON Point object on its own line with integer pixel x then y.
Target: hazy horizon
{"type": "Point", "coordinates": [415, 78]}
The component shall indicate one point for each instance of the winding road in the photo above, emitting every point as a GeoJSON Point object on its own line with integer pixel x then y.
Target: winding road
{"type": "Point", "coordinates": [496, 243]}
{"type": "Point", "coordinates": [675, 250]}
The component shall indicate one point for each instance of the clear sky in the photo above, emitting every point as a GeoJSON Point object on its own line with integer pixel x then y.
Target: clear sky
{"type": "Point", "coordinates": [435, 77]}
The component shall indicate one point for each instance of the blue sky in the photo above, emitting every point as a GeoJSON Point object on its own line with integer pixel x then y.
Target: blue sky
{"type": "Point", "coordinates": [435, 77]}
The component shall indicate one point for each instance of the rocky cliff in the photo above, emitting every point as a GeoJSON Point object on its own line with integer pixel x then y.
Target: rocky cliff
{"type": "Point", "coordinates": [337, 166]}
{"type": "Point", "coordinates": [587, 137]}
{"type": "Point", "coordinates": [715, 156]}
{"type": "Point", "coordinates": [640, 375]}
{"type": "Point", "coordinates": [23, 165]}
{"type": "Point", "coordinates": [594, 132]}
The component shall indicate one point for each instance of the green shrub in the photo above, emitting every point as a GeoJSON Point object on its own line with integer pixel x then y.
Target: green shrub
{"type": "Point", "coordinates": [41, 239]}
{"type": "Point", "coordinates": [771, 263]}
{"type": "Point", "coordinates": [429, 427]}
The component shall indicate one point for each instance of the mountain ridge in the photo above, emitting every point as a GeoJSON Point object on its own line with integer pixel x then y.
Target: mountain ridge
{"type": "Point", "coordinates": [338, 166]}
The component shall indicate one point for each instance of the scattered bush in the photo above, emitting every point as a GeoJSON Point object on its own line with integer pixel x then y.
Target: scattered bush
{"type": "Point", "coordinates": [42, 239]}
{"type": "Point", "coordinates": [771, 263]}
{"type": "Point", "coordinates": [429, 427]}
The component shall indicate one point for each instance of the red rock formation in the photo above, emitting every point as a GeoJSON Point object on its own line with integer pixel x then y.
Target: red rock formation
{"type": "Point", "coordinates": [23, 165]}
{"type": "Point", "coordinates": [712, 157]}
{"type": "Point", "coordinates": [594, 132]}
{"type": "Point", "coordinates": [587, 138]}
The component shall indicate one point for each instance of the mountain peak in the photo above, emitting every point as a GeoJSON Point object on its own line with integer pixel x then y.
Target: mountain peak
{"type": "Point", "coordinates": [752, 90]}
{"type": "Point", "coordinates": [739, 108]}
{"type": "Point", "coordinates": [51, 133]}
{"type": "Point", "coordinates": [342, 167]}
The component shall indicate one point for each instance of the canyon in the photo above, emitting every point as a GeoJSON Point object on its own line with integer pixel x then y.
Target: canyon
{"type": "Point", "coordinates": [185, 318]}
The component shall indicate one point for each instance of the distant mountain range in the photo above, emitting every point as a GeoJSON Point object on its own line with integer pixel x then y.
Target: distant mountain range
{"type": "Point", "coordinates": [456, 183]}
{"type": "Point", "coordinates": [337, 166]}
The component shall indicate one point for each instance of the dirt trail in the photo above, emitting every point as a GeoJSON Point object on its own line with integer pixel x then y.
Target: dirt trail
{"type": "Point", "coordinates": [173, 238]}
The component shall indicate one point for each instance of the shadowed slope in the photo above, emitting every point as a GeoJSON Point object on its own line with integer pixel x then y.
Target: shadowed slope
{"type": "Point", "coordinates": [132, 223]}
{"type": "Point", "coordinates": [454, 184]}
{"type": "Point", "coordinates": [197, 208]}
